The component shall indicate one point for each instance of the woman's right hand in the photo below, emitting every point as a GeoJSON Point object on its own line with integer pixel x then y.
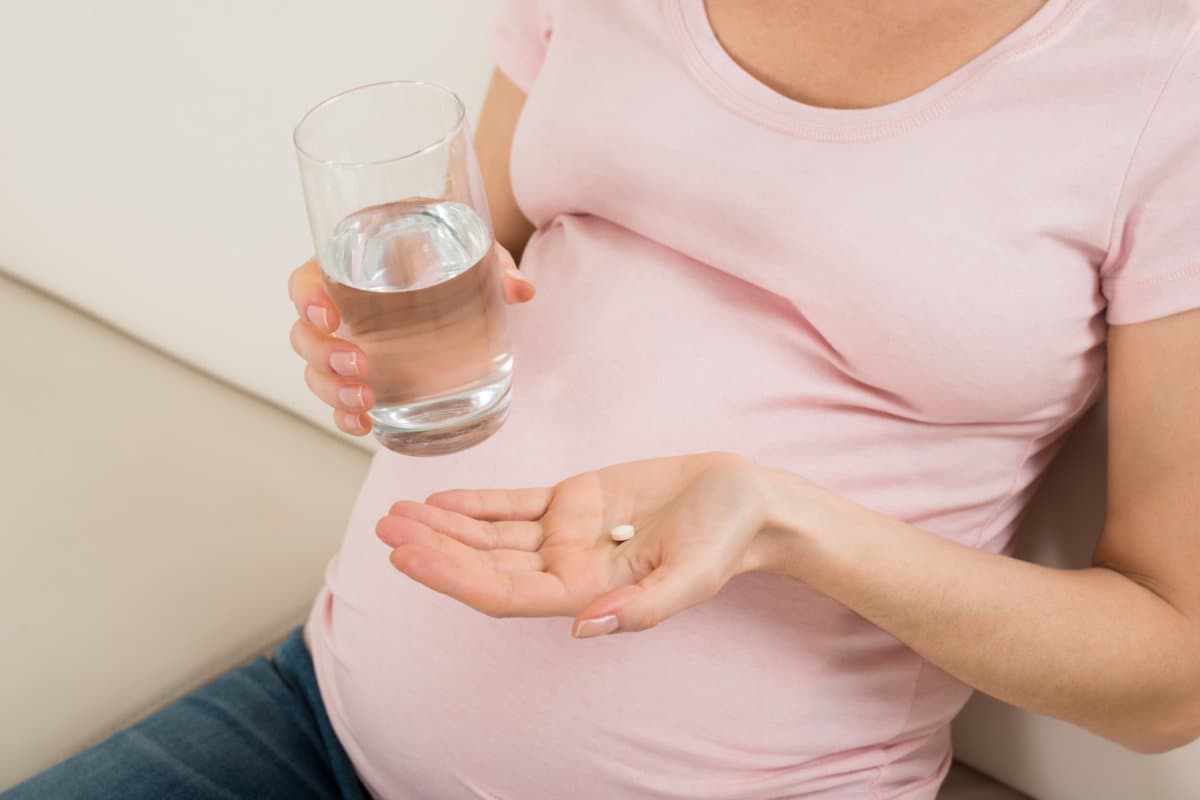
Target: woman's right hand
{"type": "Point", "coordinates": [336, 369]}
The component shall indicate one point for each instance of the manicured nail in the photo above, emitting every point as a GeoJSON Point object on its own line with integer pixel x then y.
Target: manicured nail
{"type": "Point", "coordinates": [344, 363]}
{"type": "Point", "coordinates": [319, 316]}
{"type": "Point", "coordinates": [595, 627]}
{"type": "Point", "coordinates": [525, 288]}
{"type": "Point", "coordinates": [352, 397]}
{"type": "Point", "coordinates": [354, 422]}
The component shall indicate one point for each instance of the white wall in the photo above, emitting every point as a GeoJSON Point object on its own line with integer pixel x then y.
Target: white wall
{"type": "Point", "coordinates": [146, 165]}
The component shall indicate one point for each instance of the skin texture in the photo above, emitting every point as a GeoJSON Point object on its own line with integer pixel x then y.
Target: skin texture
{"type": "Point", "coordinates": [1114, 648]}
{"type": "Point", "coordinates": [859, 53]}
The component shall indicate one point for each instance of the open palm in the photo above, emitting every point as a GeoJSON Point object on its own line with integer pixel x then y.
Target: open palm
{"type": "Point", "coordinates": [548, 552]}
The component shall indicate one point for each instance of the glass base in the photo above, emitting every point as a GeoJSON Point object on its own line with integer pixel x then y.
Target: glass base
{"type": "Point", "coordinates": [417, 437]}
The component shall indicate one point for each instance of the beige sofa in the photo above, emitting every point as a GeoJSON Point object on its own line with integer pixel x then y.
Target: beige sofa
{"type": "Point", "coordinates": [158, 527]}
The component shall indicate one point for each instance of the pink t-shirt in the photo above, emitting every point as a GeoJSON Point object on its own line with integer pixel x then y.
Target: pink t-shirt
{"type": "Point", "coordinates": [906, 304]}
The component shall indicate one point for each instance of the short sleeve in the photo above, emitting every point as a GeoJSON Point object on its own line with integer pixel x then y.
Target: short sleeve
{"type": "Point", "coordinates": [1153, 269]}
{"type": "Point", "coordinates": [520, 37]}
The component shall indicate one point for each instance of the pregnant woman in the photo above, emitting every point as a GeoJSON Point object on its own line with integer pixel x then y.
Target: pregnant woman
{"type": "Point", "coordinates": [821, 288]}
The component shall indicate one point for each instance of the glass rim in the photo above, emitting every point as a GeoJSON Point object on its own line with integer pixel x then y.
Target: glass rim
{"type": "Point", "coordinates": [460, 116]}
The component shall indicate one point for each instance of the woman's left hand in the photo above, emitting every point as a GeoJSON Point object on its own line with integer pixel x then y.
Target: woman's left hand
{"type": "Point", "coordinates": [699, 520]}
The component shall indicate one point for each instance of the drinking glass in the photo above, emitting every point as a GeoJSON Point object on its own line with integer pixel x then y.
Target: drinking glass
{"type": "Point", "coordinates": [402, 233]}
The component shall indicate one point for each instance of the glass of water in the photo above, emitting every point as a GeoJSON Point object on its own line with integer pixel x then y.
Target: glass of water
{"type": "Point", "coordinates": [404, 240]}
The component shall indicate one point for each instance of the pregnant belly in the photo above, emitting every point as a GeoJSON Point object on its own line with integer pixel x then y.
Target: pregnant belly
{"type": "Point", "coordinates": [767, 691]}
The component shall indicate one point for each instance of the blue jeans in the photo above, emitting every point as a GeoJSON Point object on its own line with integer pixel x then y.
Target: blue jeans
{"type": "Point", "coordinates": [258, 732]}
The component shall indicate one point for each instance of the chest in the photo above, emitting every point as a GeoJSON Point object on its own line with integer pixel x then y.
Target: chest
{"type": "Point", "coordinates": [951, 263]}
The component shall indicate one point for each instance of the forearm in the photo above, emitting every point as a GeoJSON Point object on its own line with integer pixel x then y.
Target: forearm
{"type": "Point", "coordinates": [1091, 646]}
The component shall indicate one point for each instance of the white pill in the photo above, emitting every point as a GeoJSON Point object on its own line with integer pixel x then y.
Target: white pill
{"type": "Point", "coordinates": [621, 533]}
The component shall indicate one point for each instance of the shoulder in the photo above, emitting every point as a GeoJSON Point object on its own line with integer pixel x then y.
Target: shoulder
{"type": "Point", "coordinates": [1156, 31]}
{"type": "Point", "coordinates": [1141, 58]}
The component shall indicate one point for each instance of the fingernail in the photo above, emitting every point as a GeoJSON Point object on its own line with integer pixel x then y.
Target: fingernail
{"type": "Point", "coordinates": [352, 397]}
{"type": "Point", "coordinates": [319, 316]}
{"type": "Point", "coordinates": [354, 422]}
{"type": "Point", "coordinates": [595, 627]}
{"type": "Point", "coordinates": [526, 290]}
{"type": "Point", "coordinates": [344, 363]}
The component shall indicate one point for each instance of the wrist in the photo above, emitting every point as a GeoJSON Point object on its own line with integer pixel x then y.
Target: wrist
{"type": "Point", "coordinates": [800, 521]}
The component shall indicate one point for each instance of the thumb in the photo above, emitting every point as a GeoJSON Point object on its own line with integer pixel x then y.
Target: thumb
{"type": "Point", "coordinates": [663, 593]}
{"type": "Point", "coordinates": [517, 288]}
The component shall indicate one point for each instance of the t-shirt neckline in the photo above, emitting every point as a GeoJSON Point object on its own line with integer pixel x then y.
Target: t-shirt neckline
{"type": "Point", "coordinates": [724, 78]}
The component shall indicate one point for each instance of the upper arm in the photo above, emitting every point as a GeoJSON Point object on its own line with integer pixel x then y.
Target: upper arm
{"type": "Point", "coordinates": [521, 33]}
{"type": "Point", "coordinates": [1151, 281]}
{"type": "Point", "coordinates": [1152, 527]}
{"type": "Point", "coordinates": [493, 144]}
